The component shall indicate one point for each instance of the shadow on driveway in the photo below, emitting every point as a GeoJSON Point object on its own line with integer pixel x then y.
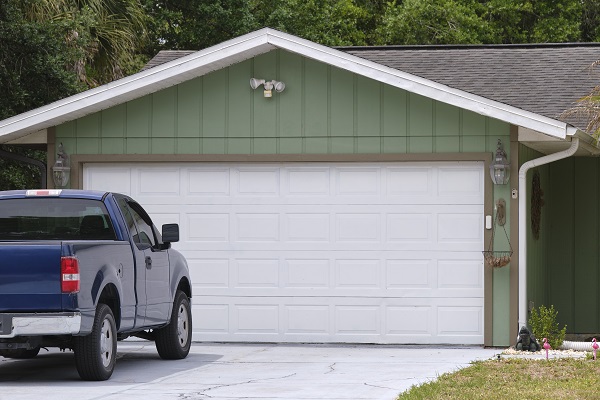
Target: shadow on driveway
{"type": "Point", "coordinates": [136, 363]}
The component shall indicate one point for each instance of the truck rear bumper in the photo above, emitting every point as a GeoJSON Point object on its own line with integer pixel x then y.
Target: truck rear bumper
{"type": "Point", "coordinates": [39, 324]}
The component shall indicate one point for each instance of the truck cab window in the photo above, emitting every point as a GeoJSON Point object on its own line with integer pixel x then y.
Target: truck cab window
{"type": "Point", "coordinates": [48, 218]}
{"type": "Point", "coordinates": [145, 235]}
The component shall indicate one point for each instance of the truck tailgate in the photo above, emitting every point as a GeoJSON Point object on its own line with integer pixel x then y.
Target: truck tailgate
{"type": "Point", "coordinates": [30, 276]}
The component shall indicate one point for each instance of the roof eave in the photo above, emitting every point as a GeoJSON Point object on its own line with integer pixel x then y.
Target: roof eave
{"type": "Point", "coordinates": [135, 86]}
{"type": "Point", "coordinates": [248, 46]}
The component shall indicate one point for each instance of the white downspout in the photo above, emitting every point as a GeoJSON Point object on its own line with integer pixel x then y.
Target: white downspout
{"type": "Point", "coordinates": [523, 221]}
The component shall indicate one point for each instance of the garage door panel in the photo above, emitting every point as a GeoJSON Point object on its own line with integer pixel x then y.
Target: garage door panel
{"type": "Point", "coordinates": [424, 321]}
{"type": "Point", "coordinates": [306, 273]}
{"type": "Point", "coordinates": [255, 227]}
{"type": "Point", "coordinates": [116, 179]}
{"type": "Point", "coordinates": [209, 273]}
{"type": "Point", "coordinates": [256, 273]}
{"type": "Point", "coordinates": [322, 252]}
{"type": "Point", "coordinates": [306, 319]}
{"type": "Point", "coordinates": [460, 227]}
{"type": "Point", "coordinates": [411, 182]}
{"type": "Point", "coordinates": [459, 321]}
{"type": "Point", "coordinates": [464, 181]}
{"type": "Point", "coordinates": [460, 274]}
{"type": "Point", "coordinates": [208, 182]}
{"type": "Point", "coordinates": [265, 243]}
{"type": "Point", "coordinates": [307, 182]}
{"type": "Point", "coordinates": [384, 184]}
{"type": "Point", "coordinates": [205, 227]}
{"type": "Point", "coordinates": [410, 321]}
{"type": "Point", "coordinates": [363, 320]}
{"type": "Point", "coordinates": [255, 319]}
{"type": "Point", "coordinates": [391, 277]}
{"type": "Point", "coordinates": [358, 227]}
{"type": "Point", "coordinates": [256, 181]}
{"type": "Point", "coordinates": [158, 182]}
{"type": "Point", "coordinates": [368, 292]}
{"type": "Point", "coordinates": [306, 227]}
{"type": "Point", "coordinates": [358, 181]}
{"type": "Point", "coordinates": [358, 274]}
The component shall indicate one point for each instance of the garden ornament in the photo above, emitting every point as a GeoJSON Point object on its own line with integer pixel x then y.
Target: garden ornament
{"type": "Point", "coordinates": [595, 347]}
{"type": "Point", "coordinates": [546, 347]}
{"type": "Point", "coordinates": [526, 341]}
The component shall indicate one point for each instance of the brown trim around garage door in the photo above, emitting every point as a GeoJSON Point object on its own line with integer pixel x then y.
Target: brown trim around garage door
{"type": "Point", "coordinates": [78, 161]}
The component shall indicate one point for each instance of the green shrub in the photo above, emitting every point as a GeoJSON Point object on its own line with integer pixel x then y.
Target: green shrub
{"type": "Point", "coordinates": [544, 325]}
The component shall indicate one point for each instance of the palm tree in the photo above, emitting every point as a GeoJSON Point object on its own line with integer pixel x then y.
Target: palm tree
{"type": "Point", "coordinates": [110, 32]}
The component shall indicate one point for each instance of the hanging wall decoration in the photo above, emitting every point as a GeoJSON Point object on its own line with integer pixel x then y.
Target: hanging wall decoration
{"type": "Point", "coordinates": [537, 201]}
{"type": "Point", "coordinates": [498, 258]}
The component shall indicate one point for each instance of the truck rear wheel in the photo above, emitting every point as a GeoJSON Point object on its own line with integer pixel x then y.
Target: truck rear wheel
{"type": "Point", "coordinates": [174, 340]}
{"type": "Point", "coordinates": [96, 353]}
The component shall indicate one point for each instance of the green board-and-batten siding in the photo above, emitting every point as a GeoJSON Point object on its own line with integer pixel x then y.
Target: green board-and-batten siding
{"type": "Point", "coordinates": [563, 264]}
{"type": "Point", "coordinates": [323, 110]}
{"type": "Point", "coordinates": [572, 265]}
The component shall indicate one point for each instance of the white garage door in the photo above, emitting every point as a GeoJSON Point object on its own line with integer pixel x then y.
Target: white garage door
{"type": "Point", "coordinates": [322, 252]}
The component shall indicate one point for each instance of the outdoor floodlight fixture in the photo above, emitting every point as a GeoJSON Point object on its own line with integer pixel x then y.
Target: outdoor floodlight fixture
{"type": "Point", "coordinates": [268, 86]}
{"type": "Point", "coordinates": [61, 169]}
{"type": "Point", "coordinates": [500, 168]}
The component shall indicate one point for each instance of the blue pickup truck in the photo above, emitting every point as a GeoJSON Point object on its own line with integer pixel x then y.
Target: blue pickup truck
{"type": "Point", "coordinates": [80, 270]}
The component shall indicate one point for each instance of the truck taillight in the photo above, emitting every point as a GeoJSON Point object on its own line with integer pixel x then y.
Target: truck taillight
{"type": "Point", "coordinates": [69, 274]}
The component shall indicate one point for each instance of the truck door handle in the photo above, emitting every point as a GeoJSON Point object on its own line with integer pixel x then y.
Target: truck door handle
{"type": "Point", "coordinates": [148, 262]}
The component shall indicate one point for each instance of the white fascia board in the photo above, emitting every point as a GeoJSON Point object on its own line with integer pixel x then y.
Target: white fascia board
{"type": "Point", "coordinates": [248, 46]}
{"type": "Point", "coordinates": [421, 86]}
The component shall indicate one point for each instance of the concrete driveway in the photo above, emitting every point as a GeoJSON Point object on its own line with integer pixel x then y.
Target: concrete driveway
{"type": "Point", "coordinates": [240, 371]}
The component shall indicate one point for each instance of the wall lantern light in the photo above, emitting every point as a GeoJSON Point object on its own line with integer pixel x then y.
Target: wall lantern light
{"type": "Point", "coordinates": [61, 169]}
{"type": "Point", "coordinates": [500, 168]}
{"type": "Point", "coordinates": [268, 85]}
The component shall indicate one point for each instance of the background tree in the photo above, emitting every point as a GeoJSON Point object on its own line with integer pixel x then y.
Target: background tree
{"type": "Point", "coordinates": [329, 22]}
{"type": "Point", "coordinates": [195, 24]}
{"type": "Point", "coordinates": [36, 62]}
{"type": "Point", "coordinates": [414, 22]}
{"type": "Point", "coordinates": [109, 33]}
{"type": "Point", "coordinates": [590, 23]}
{"type": "Point", "coordinates": [533, 21]}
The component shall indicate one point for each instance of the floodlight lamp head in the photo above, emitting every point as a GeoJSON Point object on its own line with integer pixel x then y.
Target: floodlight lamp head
{"type": "Point", "coordinates": [254, 83]}
{"type": "Point", "coordinates": [278, 86]}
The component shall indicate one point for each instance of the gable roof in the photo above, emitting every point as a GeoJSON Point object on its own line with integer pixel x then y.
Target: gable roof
{"type": "Point", "coordinates": [545, 79]}
{"type": "Point", "coordinates": [250, 45]}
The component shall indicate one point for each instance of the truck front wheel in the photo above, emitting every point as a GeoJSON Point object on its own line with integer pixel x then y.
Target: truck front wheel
{"type": "Point", "coordinates": [96, 353]}
{"type": "Point", "coordinates": [174, 340]}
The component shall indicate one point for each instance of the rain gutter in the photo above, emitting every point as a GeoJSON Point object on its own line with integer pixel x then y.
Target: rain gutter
{"type": "Point", "coordinates": [523, 220]}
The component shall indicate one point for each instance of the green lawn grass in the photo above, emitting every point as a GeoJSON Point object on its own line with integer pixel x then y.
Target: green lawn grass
{"type": "Point", "coordinates": [511, 378]}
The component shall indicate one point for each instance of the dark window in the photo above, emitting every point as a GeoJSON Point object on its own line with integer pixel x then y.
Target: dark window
{"type": "Point", "coordinates": [145, 235]}
{"type": "Point", "coordinates": [49, 218]}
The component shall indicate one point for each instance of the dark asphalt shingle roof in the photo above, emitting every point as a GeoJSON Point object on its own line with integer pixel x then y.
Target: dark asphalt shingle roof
{"type": "Point", "coordinates": [545, 79]}
{"type": "Point", "coordinates": [165, 56]}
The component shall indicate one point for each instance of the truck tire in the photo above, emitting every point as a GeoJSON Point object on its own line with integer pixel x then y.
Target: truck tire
{"type": "Point", "coordinates": [20, 354]}
{"type": "Point", "coordinates": [174, 340]}
{"type": "Point", "coordinates": [96, 353]}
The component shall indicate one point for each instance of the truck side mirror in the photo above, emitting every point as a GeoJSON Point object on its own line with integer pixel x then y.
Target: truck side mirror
{"type": "Point", "coordinates": [170, 233]}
